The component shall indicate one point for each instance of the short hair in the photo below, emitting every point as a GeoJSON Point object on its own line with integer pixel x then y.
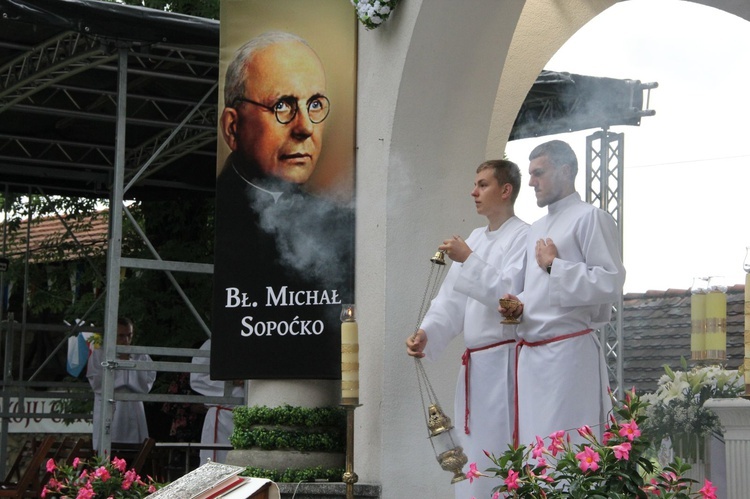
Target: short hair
{"type": "Point", "coordinates": [559, 153]}
{"type": "Point", "coordinates": [125, 321]}
{"type": "Point", "coordinates": [505, 172]}
{"type": "Point", "coordinates": [234, 81]}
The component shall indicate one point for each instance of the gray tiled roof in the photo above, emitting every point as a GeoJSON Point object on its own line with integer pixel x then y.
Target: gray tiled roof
{"type": "Point", "coordinates": [656, 331]}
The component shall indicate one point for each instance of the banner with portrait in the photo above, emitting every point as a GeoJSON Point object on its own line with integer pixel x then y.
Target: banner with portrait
{"type": "Point", "coordinates": [284, 252]}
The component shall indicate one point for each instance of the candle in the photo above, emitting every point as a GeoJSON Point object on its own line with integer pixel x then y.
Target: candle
{"type": "Point", "coordinates": [716, 324]}
{"type": "Point", "coordinates": [698, 323]}
{"type": "Point", "coordinates": [349, 356]}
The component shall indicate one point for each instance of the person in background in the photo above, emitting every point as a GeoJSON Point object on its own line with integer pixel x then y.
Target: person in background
{"type": "Point", "coordinates": [218, 423]}
{"type": "Point", "coordinates": [574, 275]}
{"type": "Point", "coordinates": [128, 416]}
{"type": "Point", "coordinates": [487, 265]}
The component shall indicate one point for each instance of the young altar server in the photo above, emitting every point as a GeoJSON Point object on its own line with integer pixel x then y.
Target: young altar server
{"type": "Point", "coordinates": [487, 265]}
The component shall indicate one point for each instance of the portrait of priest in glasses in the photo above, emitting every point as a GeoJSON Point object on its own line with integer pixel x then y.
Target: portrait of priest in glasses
{"type": "Point", "coordinates": [281, 253]}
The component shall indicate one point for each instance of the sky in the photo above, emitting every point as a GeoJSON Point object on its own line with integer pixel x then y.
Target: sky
{"type": "Point", "coordinates": [686, 190]}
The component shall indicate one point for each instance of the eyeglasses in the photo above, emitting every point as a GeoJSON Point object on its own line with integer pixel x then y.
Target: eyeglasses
{"type": "Point", "coordinates": [285, 109]}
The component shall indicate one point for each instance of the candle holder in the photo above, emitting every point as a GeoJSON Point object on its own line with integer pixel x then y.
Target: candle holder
{"type": "Point", "coordinates": [349, 387]}
{"type": "Point", "coordinates": [350, 477]}
{"type": "Point", "coordinates": [440, 430]}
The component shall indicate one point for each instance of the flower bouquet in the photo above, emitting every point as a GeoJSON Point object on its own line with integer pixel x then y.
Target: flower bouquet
{"type": "Point", "coordinates": [616, 467]}
{"type": "Point", "coordinates": [676, 411]}
{"type": "Point", "coordinates": [96, 479]}
{"type": "Point", "coordinates": [372, 13]}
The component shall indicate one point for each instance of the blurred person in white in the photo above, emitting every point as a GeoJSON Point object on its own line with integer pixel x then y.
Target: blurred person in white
{"type": "Point", "coordinates": [128, 416]}
{"type": "Point", "coordinates": [219, 422]}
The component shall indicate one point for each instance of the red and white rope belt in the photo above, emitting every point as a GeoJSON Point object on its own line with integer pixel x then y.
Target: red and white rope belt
{"type": "Point", "coordinates": [466, 362]}
{"type": "Point", "coordinates": [524, 343]}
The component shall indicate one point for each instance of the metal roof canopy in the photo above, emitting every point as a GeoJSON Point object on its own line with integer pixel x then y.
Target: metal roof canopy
{"type": "Point", "coordinates": [58, 97]}
{"type": "Point", "coordinates": [564, 102]}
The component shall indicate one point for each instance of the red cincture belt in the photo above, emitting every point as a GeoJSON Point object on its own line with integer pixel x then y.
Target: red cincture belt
{"type": "Point", "coordinates": [219, 408]}
{"type": "Point", "coordinates": [521, 344]}
{"type": "Point", "coordinates": [466, 360]}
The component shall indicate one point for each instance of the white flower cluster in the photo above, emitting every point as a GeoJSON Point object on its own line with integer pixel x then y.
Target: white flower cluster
{"type": "Point", "coordinates": [676, 409]}
{"type": "Point", "coordinates": [372, 13]}
{"type": "Point", "coordinates": [699, 383]}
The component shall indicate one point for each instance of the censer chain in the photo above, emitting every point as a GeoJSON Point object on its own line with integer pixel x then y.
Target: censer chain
{"type": "Point", "coordinates": [422, 378]}
{"type": "Point", "coordinates": [434, 280]}
{"type": "Point", "coordinates": [430, 290]}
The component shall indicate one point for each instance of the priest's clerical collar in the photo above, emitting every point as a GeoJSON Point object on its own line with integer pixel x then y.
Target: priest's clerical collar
{"type": "Point", "coordinates": [272, 186]}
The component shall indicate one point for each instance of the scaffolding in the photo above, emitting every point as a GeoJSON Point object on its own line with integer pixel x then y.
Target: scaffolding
{"type": "Point", "coordinates": [156, 97]}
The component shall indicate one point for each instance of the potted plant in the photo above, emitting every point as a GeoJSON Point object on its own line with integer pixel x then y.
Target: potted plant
{"type": "Point", "coordinates": [616, 467]}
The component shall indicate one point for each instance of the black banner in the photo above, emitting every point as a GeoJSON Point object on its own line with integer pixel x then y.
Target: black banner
{"type": "Point", "coordinates": [284, 251]}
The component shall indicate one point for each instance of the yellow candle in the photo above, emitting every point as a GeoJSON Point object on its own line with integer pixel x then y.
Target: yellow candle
{"type": "Point", "coordinates": [698, 325]}
{"type": "Point", "coordinates": [716, 325]}
{"type": "Point", "coordinates": [349, 357]}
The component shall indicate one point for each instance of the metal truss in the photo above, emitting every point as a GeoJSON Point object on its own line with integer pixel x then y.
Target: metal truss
{"type": "Point", "coordinates": [67, 84]}
{"type": "Point", "coordinates": [96, 113]}
{"type": "Point", "coordinates": [55, 60]}
{"type": "Point", "coordinates": [604, 187]}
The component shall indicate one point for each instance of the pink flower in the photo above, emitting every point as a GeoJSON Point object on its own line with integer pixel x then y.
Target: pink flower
{"type": "Point", "coordinates": [588, 459]}
{"type": "Point", "coordinates": [151, 489]}
{"type": "Point", "coordinates": [76, 462]}
{"type": "Point", "coordinates": [473, 472]}
{"type": "Point", "coordinates": [607, 436]}
{"type": "Point", "coordinates": [86, 493]}
{"type": "Point", "coordinates": [512, 481]}
{"type": "Point", "coordinates": [496, 495]}
{"type": "Point", "coordinates": [652, 488]}
{"type": "Point", "coordinates": [539, 448]}
{"type": "Point", "coordinates": [102, 473]}
{"type": "Point", "coordinates": [51, 465]}
{"type": "Point", "coordinates": [630, 430]}
{"type": "Point", "coordinates": [622, 451]}
{"type": "Point", "coordinates": [557, 443]}
{"type": "Point", "coordinates": [585, 432]}
{"type": "Point", "coordinates": [669, 476]}
{"type": "Point", "coordinates": [120, 464]}
{"type": "Point", "coordinates": [128, 479]}
{"type": "Point", "coordinates": [708, 491]}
